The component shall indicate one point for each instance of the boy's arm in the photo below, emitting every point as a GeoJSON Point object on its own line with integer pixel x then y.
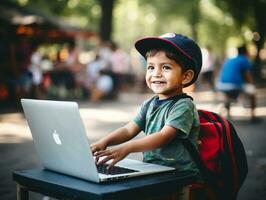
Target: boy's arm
{"type": "Point", "coordinates": [154, 140]}
{"type": "Point", "coordinates": [118, 136]}
{"type": "Point", "coordinates": [147, 143]}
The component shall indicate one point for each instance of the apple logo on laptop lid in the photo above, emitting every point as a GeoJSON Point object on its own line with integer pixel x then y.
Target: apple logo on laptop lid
{"type": "Point", "coordinates": [56, 138]}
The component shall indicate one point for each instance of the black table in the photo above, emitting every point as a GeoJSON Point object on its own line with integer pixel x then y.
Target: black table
{"type": "Point", "coordinates": [62, 186]}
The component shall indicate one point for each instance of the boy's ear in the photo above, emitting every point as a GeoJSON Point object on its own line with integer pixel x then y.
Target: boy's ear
{"type": "Point", "coordinates": [187, 76]}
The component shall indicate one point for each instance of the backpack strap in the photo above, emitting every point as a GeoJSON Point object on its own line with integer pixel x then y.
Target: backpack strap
{"type": "Point", "coordinates": [176, 99]}
{"type": "Point", "coordinates": [209, 178]}
{"type": "Point", "coordinates": [227, 144]}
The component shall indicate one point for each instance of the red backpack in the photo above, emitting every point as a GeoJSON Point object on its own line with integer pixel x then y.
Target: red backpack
{"type": "Point", "coordinates": [220, 157]}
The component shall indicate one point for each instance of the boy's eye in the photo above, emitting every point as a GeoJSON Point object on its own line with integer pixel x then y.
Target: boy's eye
{"type": "Point", "coordinates": [166, 67]}
{"type": "Point", "coordinates": [149, 68]}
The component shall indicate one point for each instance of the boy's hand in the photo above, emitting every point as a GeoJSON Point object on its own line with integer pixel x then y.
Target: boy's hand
{"type": "Point", "coordinates": [97, 146]}
{"type": "Point", "coordinates": [114, 154]}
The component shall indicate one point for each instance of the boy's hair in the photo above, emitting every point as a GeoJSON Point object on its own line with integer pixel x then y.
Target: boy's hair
{"type": "Point", "coordinates": [184, 48]}
{"type": "Point", "coordinates": [169, 54]}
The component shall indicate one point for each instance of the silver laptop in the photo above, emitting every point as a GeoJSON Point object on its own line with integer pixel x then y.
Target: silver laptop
{"type": "Point", "coordinates": [62, 145]}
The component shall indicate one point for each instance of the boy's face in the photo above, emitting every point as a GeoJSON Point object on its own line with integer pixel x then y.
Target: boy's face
{"type": "Point", "coordinates": [164, 76]}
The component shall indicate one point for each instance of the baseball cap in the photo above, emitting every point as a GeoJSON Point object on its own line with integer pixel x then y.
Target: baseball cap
{"type": "Point", "coordinates": [185, 48]}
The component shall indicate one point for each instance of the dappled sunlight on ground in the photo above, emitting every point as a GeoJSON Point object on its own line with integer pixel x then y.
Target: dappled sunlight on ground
{"type": "Point", "coordinates": [236, 110]}
{"type": "Point", "coordinates": [215, 102]}
{"type": "Point", "coordinates": [97, 122]}
{"type": "Point", "coordinates": [105, 115]}
{"type": "Point", "coordinates": [14, 128]}
{"type": "Point", "coordinates": [101, 119]}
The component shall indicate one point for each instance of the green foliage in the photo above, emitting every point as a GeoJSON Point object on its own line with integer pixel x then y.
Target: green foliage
{"type": "Point", "coordinates": [142, 17]}
{"type": "Point", "coordinates": [174, 9]}
{"type": "Point", "coordinates": [239, 9]}
{"type": "Point", "coordinates": [211, 22]}
{"type": "Point", "coordinates": [246, 13]}
{"type": "Point", "coordinates": [84, 13]}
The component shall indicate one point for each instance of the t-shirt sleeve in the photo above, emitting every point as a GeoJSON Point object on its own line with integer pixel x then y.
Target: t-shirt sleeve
{"type": "Point", "coordinates": [181, 117]}
{"type": "Point", "coordinates": [141, 116]}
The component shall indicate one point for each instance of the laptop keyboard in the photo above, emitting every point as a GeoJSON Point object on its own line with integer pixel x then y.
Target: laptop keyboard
{"type": "Point", "coordinates": [114, 170]}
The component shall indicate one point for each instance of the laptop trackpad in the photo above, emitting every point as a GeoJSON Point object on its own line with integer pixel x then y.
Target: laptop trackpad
{"type": "Point", "coordinates": [142, 166]}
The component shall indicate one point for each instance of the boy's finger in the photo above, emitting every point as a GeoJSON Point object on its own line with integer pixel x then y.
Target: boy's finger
{"type": "Point", "coordinates": [97, 158]}
{"type": "Point", "coordinates": [110, 166]}
{"type": "Point", "coordinates": [99, 152]}
{"type": "Point", "coordinates": [93, 150]}
{"type": "Point", "coordinates": [102, 153]}
{"type": "Point", "coordinates": [104, 160]}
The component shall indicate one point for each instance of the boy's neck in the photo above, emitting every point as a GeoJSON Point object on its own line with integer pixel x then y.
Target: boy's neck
{"type": "Point", "coordinates": [170, 97]}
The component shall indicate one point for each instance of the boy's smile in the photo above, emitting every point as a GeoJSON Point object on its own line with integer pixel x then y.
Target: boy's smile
{"type": "Point", "coordinates": [164, 76]}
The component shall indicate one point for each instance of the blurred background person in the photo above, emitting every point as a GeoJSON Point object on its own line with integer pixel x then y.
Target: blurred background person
{"type": "Point", "coordinates": [37, 73]}
{"type": "Point", "coordinates": [208, 67]}
{"type": "Point", "coordinates": [105, 53]}
{"type": "Point", "coordinates": [120, 65]}
{"type": "Point", "coordinates": [24, 81]}
{"type": "Point", "coordinates": [138, 64]}
{"type": "Point", "coordinates": [236, 78]}
{"type": "Point", "coordinates": [98, 81]}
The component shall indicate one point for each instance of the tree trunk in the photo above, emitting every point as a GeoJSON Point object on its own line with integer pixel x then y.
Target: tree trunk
{"type": "Point", "coordinates": [106, 20]}
{"type": "Point", "coordinates": [259, 12]}
{"type": "Point", "coordinates": [194, 19]}
{"type": "Point", "coordinates": [257, 62]}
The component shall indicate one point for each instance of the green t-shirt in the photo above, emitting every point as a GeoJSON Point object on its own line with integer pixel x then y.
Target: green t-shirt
{"type": "Point", "coordinates": [183, 116]}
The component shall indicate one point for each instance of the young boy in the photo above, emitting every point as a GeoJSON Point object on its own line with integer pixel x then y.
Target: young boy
{"type": "Point", "coordinates": [173, 62]}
